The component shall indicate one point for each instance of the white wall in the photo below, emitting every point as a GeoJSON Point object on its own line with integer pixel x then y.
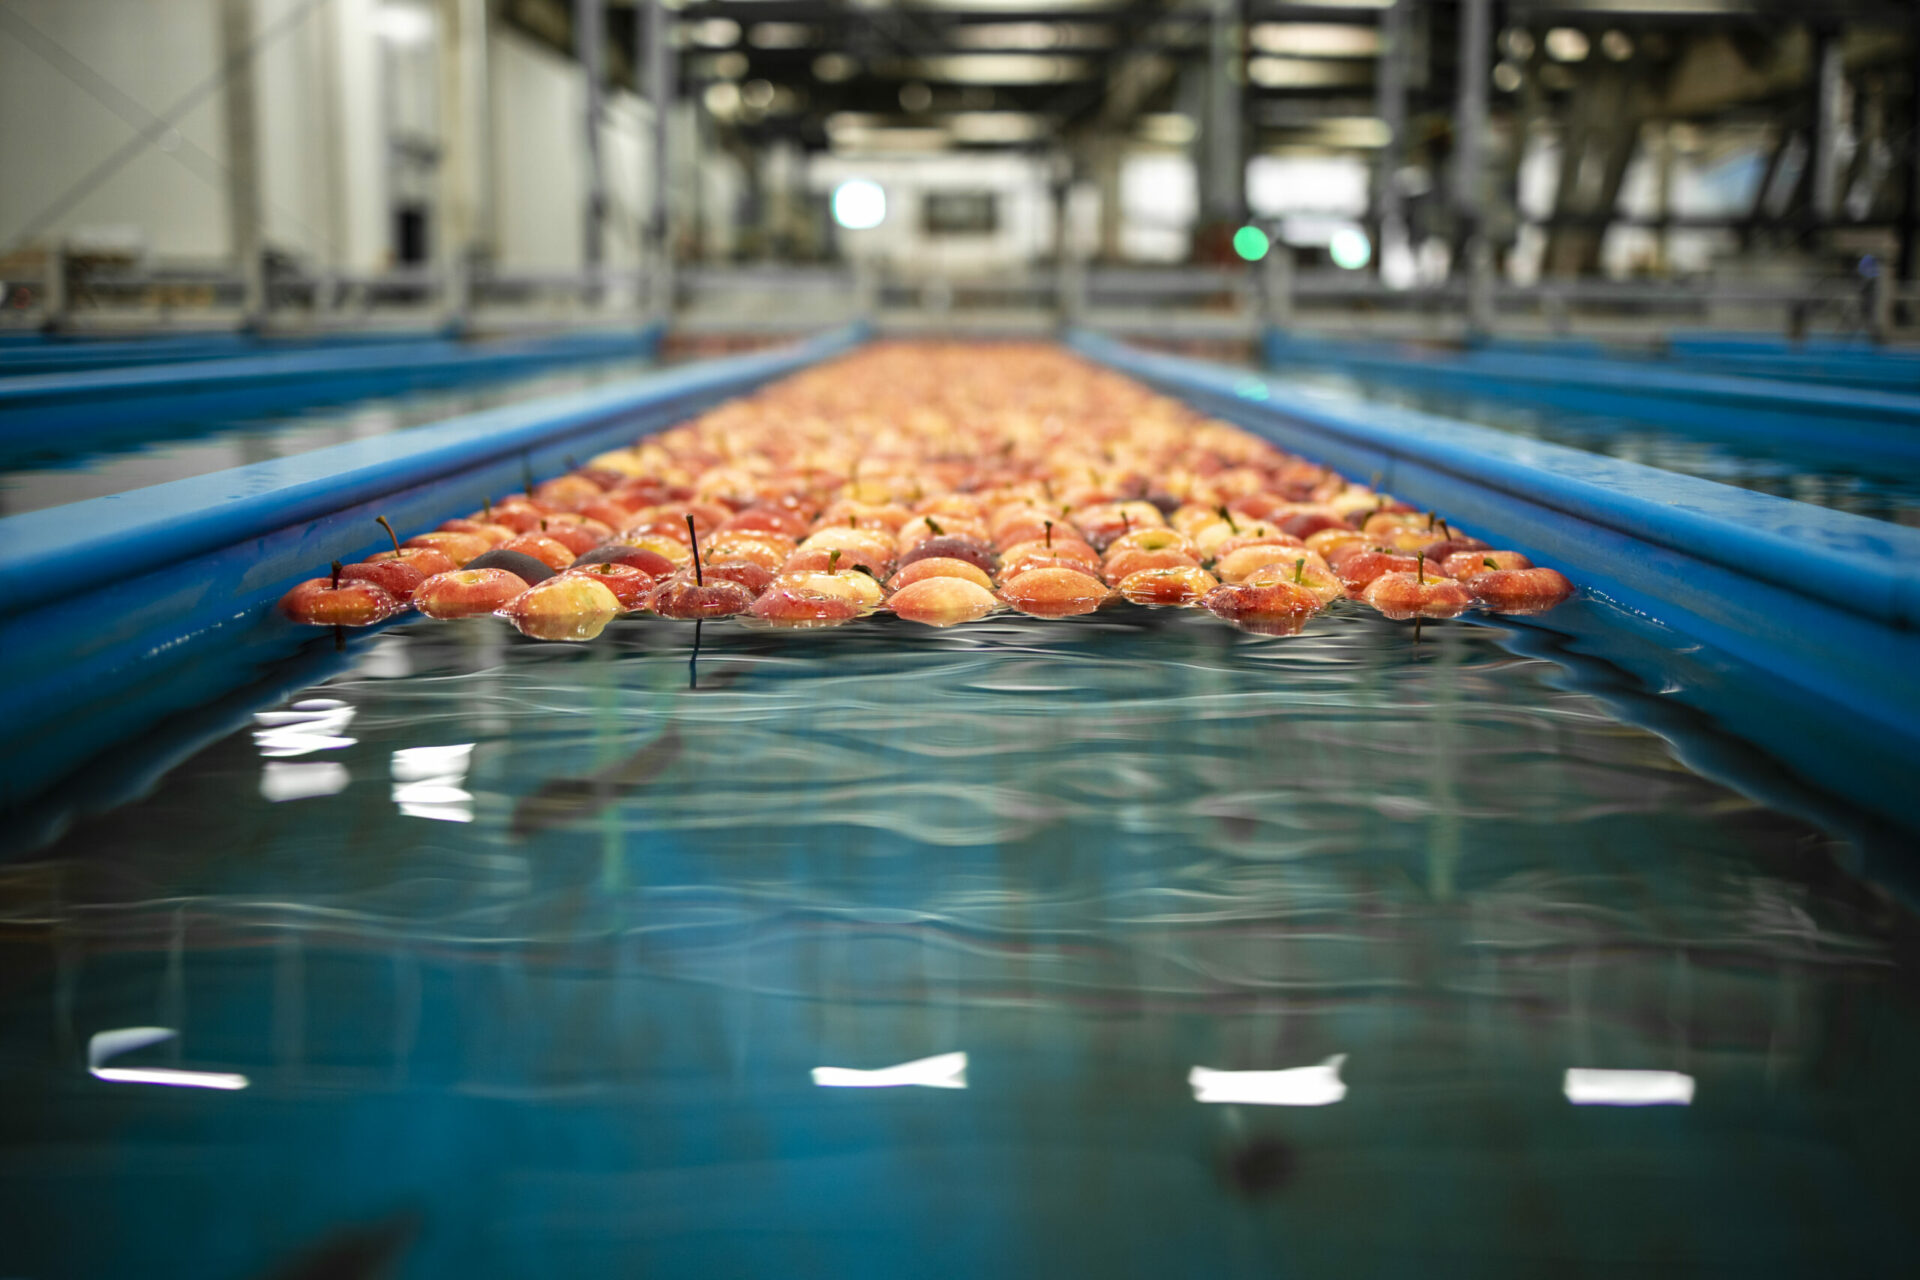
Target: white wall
{"type": "Point", "coordinates": [53, 133]}
{"type": "Point", "coordinates": [1025, 210]}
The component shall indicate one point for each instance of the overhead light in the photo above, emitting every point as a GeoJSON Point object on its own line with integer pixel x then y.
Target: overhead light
{"type": "Point", "coordinates": [944, 1071]}
{"type": "Point", "coordinates": [403, 24]}
{"type": "Point", "coordinates": [1315, 39]}
{"type": "Point", "coordinates": [1315, 1086]}
{"type": "Point", "coordinates": [722, 99]}
{"type": "Point", "coordinates": [995, 68]}
{"type": "Point", "coordinates": [780, 35]}
{"type": "Point", "coordinates": [996, 126]}
{"type": "Point", "coordinates": [1506, 77]}
{"type": "Point", "coordinates": [1567, 44]}
{"type": "Point", "coordinates": [834, 68]}
{"type": "Point", "coordinates": [727, 66]}
{"type": "Point", "coordinates": [1167, 127]}
{"type": "Point", "coordinates": [716, 33]}
{"type": "Point", "coordinates": [1589, 1087]}
{"type": "Point", "coordinates": [1306, 73]}
{"type": "Point", "coordinates": [104, 1046]}
{"type": "Point", "coordinates": [1350, 249]}
{"type": "Point", "coordinates": [1032, 35]}
{"type": "Point", "coordinates": [915, 96]}
{"type": "Point", "coordinates": [1616, 44]}
{"type": "Point", "coordinates": [859, 204]}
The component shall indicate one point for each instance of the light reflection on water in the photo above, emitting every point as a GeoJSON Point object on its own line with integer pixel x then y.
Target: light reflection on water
{"type": "Point", "coordinates": [1886, 492]}
{"type": "Point", "coordinates": [1110, 862]}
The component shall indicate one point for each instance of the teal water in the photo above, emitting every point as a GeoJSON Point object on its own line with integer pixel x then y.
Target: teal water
{"type": "Point", "coordinates": [527, 954]}
{"type": "Point", "coordinates": [1805, 473]}
{"type": "Point", "coordinates": [34, 484]}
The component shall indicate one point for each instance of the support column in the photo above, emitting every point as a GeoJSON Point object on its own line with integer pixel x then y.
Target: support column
{"type": "Point", "coordinates": [1829, 85]}
{"type": "Point", "coordinates": [1223, 193]}
{"type": "Point", "coordinates": [1469, 159]}
{"type": "Point", "coordinates": [243, 157]}
{"type": "Point", "coordinates": [659, 89]}
{"type": "Point", "coordinates": [1390, 104]}
{"type": "Point", "coordinates": [588, 41]}
{"type": "Point", "coordinates": [464, 151]}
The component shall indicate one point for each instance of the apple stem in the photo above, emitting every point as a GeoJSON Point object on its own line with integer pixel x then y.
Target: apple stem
{"type": "Point", "coordinates": [1126, 524]}
{"type": "Point", "coordinates": [336, 575]}
{"type": "Point", "coordinates": [934, 525]}
{"type": "Point", "coordinates": [382, 522]}
{"type": "Point", "coordinates": [1300, 568]}
{"type": "Point", "coordinates": [1489, 562]}
{"type": "Point", "coordinates": [833, 561]}
{"type": "Point", "coordinates": [1049, 525]}
{"type": "Point", "coordinates": [1228, 517]}
{"type": "Point", "coordinates": [488, 511]}
{"type": "Point", "coordinates": [699, 578]}
{"type": "Point", "coordinates": [1431, 517]}
{"type": "Point", "coordinates": [851, 523]}
{"type": "Point", "coordinates": [1420, 568]}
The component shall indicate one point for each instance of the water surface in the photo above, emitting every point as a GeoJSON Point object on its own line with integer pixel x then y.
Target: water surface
{"type": "Point", "coordinates": [527, 954]}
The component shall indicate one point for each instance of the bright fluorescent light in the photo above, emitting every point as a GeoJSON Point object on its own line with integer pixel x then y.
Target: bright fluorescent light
{"type": "Point", "coordinates": [1315, 39]}
{"type": "Point", "coordinates": [944, 1071]}
{"type": "Point", "coordinates": [995, 68]}
{"type": "Point", "coordinates": [1589, 1087]}
{"type": "Point", "coordinates": [312, 724]}
{"type": "Point", "coordinates": [995, 126]}
{"type": "Point", "coordinates": [1315, 1086]}
{"type": "Point", "coordinates": [1306, 73]}
{"type": "Point", "coordinates": [104, 1046]}
{"type": "Point", "coordinates": [859, 204]}
{"type": "Point", "coordinates": [403, 24]}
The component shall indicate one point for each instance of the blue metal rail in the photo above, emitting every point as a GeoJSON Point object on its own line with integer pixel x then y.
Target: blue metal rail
{"type": "Point", "coordinates": [1841, 422]}
{"type": "Point", "coordinates": [57, 414]}
{"type": "Point", "coordinates": [1824, 607]}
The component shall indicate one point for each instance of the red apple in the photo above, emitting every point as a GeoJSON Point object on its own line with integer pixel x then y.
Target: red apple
{"type": "Point", "coordinates": [465, 593]}
{"type": "Point", "coordinates": [335, 601]}
{"type": "Point", "coordinates": [1519, 590]}
{"type": "Point", "coordinates": [396, 577]}
{"type": "Point", "coordinates": [630, 586]}
{"type": "Point", "coordinates": [569, 607]}
{"type": "Point", "coordinates": [943, 601]}
{"type": "Point", "coordinates": [1054, 593]}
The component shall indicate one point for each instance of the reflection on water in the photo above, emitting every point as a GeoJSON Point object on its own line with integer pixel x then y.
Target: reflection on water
{"type": "Point", "coordinates": [1886, 492]}
{"type": "Point", "coordinates": [33, 485]}
{"type": "Point", "coordinates": [1132, 945]}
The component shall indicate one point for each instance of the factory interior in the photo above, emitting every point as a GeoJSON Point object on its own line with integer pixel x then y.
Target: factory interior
{"type": "Point", "coordinates": [959, 638]}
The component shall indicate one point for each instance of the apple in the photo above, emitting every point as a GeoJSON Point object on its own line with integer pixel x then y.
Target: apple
{"type": "Point", "coordinates": [1129, 562]}
{"type": "Point", "coordinates": [755, 578]}
{"type": "Point", "coordinates": [465, 593]}
{"type": "Point", "coordinates": [336, 601]}
{"type": "Point", "coordinates": [686, 597]}
{"type": "Point", "coordinates": [1274, 608]}
{"type": "Point", "coordinates": [1054, 593]}
{"type": "Point", "coordinates": [940, 567]}
{"type": "Point", "coordinates": [568, 607]}
{"type": "Point", "coordinates": [1402, 595]}
{"type": "Point", "coordinates": [943, 601]}
{"type": "Point", "coordinates": [552, 553]}
{"type": "Point", "coordinates": [396, 577]}
{"type": "Point", "coordinates": [1519, 590]}
{"type": "Point", "coordinates": [789, 607]}
{"type": "Point", "coordinates": [648, 562]}
{"type": "Point", "coordinates": [1464, 564]}
{"type": "Point", "coordinates": [459, 547]}
{"type": "Point", "coordinates": [518, 563]}
{"type": "Point", "coordinates": [428, 560]}
{"type": "Point", "coordinates": [1173, 586]}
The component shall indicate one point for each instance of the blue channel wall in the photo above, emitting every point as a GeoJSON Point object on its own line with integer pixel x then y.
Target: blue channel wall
{"type": "Point", "coordinates": [62, 413]}
{"type": "Point", "coordinates": [1840, 421]}
{"type": "Point", "coordinates": [121, 611]}
{"type": "Point", "coordinates": [1825, 606]}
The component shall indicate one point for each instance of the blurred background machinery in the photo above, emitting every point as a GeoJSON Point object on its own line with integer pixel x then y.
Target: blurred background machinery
{"type": "Point", "coordinates": [1184, 169]}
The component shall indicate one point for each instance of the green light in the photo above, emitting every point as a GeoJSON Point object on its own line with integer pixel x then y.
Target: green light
{"type": "Point", "coordinates": [1250, 243]}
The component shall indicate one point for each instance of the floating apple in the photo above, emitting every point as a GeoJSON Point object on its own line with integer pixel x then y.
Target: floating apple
{"type": "Point", "coordinates": [943, 601]}
{"type": "Point", "coordinates": [458, 547]}
{"type": "Point", "coordinates": [552, 553]}
{"type": "Point", "coordinates": [648, 562]}
{"type": "Point", "coordinates": [754, 577]}
{"type": "Point", "coordinates": [1166, 587]}
{"type": "Point", "coordinates": [570, 607]}
{"type": "Point", "coordinates": [1519, 590]}
{"type": "Point", "coordinates": [1274, 608]}
{"type": "Point", "coordinates": [791, 607]}
{"type": "Point", "coordinates": [1054, 593]}
{"type": "Point", "coordinates": [334, 601]}
{"type": "Point", "coordinates": [518, 563]}
{"type": "Point", "coordinates": [940, 567]}
{"type": "Point", "coordinates": [630, 586]}
{"type": "Point", "coordinates": [1464, 564]}
{"type": "Point", "coordinates": [467, 593]}
{"type": "Point", "coordinates": [396, 577]}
